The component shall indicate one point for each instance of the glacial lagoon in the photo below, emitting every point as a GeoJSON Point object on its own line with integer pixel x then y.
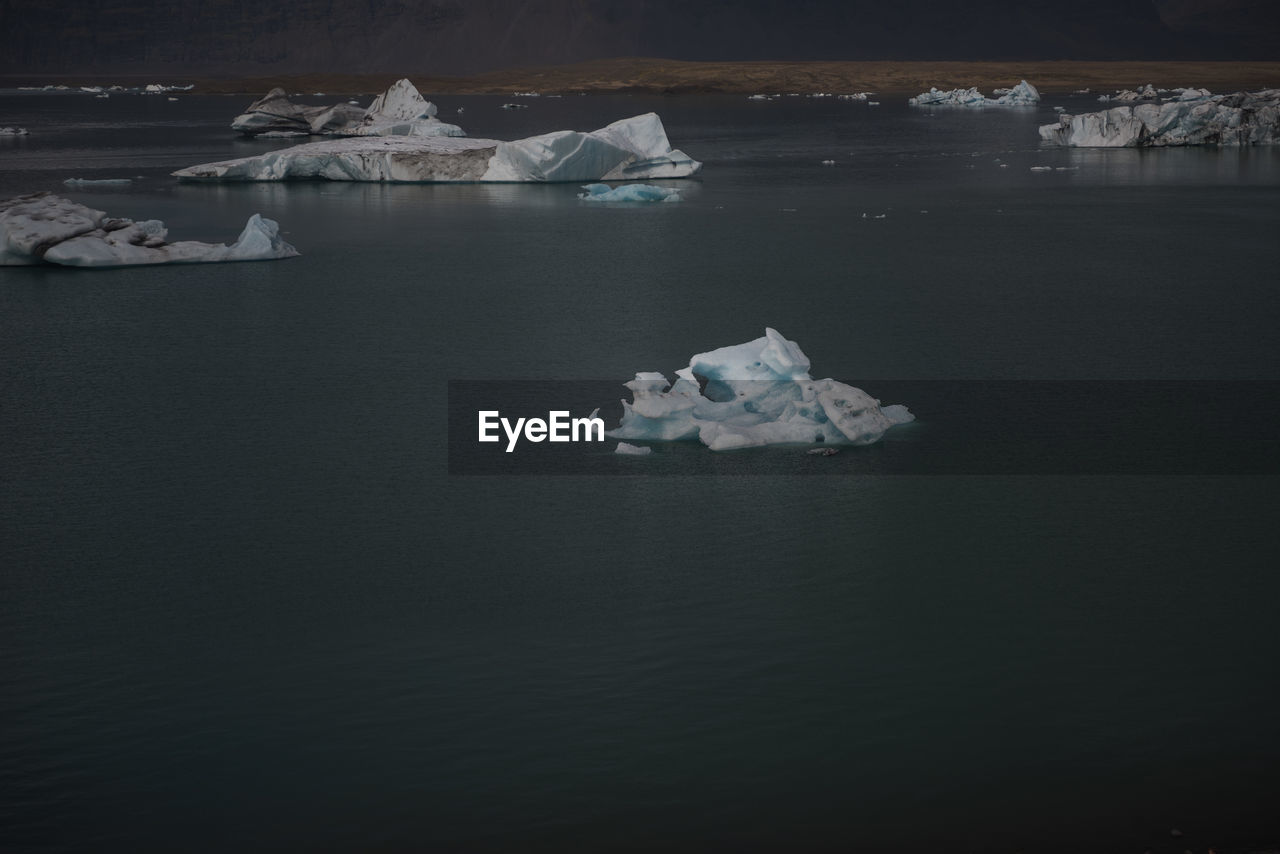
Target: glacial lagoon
{"type": "Point", "coordinates": [245, 606]}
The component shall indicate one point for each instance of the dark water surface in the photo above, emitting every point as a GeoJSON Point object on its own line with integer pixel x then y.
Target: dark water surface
{"type": "Point", "coordinates": [244, 605]}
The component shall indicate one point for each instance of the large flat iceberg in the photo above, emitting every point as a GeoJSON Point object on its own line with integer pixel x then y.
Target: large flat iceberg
{"type": "Point", "coordinates": [1022, 95]}
{"type": "Point", "coordinates": [757, 393]}
{"type": "Point", "coordinates": [628, 149]}
{"type": "Point", "coordinates": [1194, 118]}
{"type": "Point", "coordinates": [44, 228]}
{"type": "Point", "coordinates": [399, 111]}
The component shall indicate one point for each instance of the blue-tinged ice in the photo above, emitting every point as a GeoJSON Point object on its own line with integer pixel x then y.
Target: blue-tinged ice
{"type": "Point", "coordinates": [757, 393]}
{"type": "Point", "coordinates": [628, 193]}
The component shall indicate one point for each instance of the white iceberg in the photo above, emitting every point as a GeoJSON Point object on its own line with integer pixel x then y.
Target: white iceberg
{"type": "Point", "coordinates": [1024, 94]}
{"type": "Point", "coordinates": [399, 111]}
{"type": "Point", "coordinates": [757, 393]}
{"type": "Point", "coordinates": [634, 148]}
{"type": "Point", "coordinates": [1243, 118]}
{"type": "Point", "coordinates": [628, 193]}
{"type": "Point", "coordinates": [7, 131]}
{"type": "Point", "coordinates": [632, 450]}
{"type": "Point", "coordinates": [45, 228]}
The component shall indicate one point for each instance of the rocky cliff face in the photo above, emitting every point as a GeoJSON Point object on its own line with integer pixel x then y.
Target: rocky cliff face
{"type": "Point", "coordinates": [245, 37]}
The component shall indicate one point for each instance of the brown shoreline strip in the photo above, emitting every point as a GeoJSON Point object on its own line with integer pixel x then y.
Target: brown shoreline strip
{"type": "Point", "coordinates": [660, 76]}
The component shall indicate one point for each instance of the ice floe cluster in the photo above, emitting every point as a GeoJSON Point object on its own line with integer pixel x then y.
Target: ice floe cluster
{"type": "Point", "coordinates": [399, 111]}
{"type": "Point", "coordinates": [757, 393]}
{"type": "Point", "coordinates": [44, 228]}
{"type": "Point", "coordinates": [149, 89]}
{"type": "Point", "coordinates": [1192, 117]}
{"type": "Point", "coordinates": [1024, 94]}
{"type": "Point", "coordinates": [634, 148]}
{"type": "Point", "coordinates": [9, 131]}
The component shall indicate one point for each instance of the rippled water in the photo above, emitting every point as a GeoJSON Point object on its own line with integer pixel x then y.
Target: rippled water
{"type": "Point", "coordinates": [244, 606]}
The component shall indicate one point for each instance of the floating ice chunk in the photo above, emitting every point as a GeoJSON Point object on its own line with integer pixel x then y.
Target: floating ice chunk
{"type": "Point", "coordinates": [828, 163]}
{"type": "Point", "coordinates": [45, 228]}
{"type": "Point", "coordinates": [953, 97]}
{"type": "Point", "coordinates": [632, 450]}
{"type": "Point", "coordinates": [757, 393]}
{"type": "Point", "coordinates": [515, 106]}
{"type": "Point", "coordinates": [7, 131]}
{"type": "Point", "coordinates": [1242, 118]}
{"type": "Point", "coordinates": [1024, 94]}
{"type": "Point", "coordinates": [98, 182]}
{"type": "Point", "coordinates": [1144, 93]}
{"type": "Point", "coordinates": [1041, 168]}
{"type": "Point", "coordinates": [634, 148]}
{"type": "Point", "coordinates": [399, 111]}
{"type": "Point", "coordinates": [628, 193]}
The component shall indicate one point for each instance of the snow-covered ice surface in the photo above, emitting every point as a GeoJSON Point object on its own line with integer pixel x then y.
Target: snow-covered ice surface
{"type": "Point", "coordinates": [634, 148]}
{"type": "Point", "coordinates": [628, 193]}
{"type": "Point", "coordinates": [757, 393]}
{"type": "Point", "coordinates": [399, 111]}
{"type": "Point", "coordinates": [1193, 117]}
{"type": "Point", "coordinates": [46, 228]}
{"type": "Point", "coordinates": [1024, 94]}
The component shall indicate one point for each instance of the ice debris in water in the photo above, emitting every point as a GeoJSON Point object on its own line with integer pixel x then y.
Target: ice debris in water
{"type": "Point", "coordinates": [8, 131]}
{"type": "Point", "coordinates": [632, 450]}
{"type": "Point", "coordinates": [1024, 94]}
{"type": "Point", "coordinates": [628, 193]}
{"type": "Point", "coordinates": [46, 228]}
{"type": "Point", "coordinates": [757, 393]}
{"type": "Point", "coordinates": [98, 182]}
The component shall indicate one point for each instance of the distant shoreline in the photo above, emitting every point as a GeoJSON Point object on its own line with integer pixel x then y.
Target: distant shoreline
{"type": "Point", "coordinates": [671, 77]}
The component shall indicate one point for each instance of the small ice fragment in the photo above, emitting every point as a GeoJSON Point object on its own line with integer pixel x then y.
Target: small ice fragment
{"type": "Point", "coordinates": [628, 193]}
{"type": "Point", "coordinates": [633, 450]}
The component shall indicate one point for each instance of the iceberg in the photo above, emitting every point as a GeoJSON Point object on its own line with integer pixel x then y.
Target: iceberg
{"type": "Point", "coordinates": [399, 111]}
{"type": "Point", "coordinates": [758, 393]}
{"type": "Point", "coordinates": [1022, 95]}
{"type": "Point", "coordinates": [632, 450]}
{"type": "Point", "coordinates": [628, 193]}
{"type": "Point", "coordinates": [1193, 118]}
{"type": "Point", "coordinates": [634, 148]}
{"type": "Point", "coordinates": [7, 131]}
{"type": "Point", "coordinates": [46, 228]}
